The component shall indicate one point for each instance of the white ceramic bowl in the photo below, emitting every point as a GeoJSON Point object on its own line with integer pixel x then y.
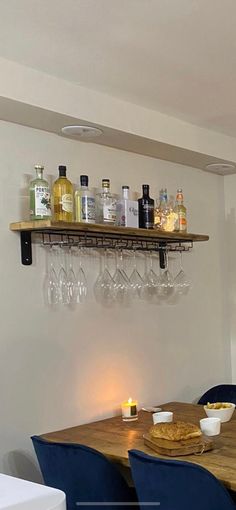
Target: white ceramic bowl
{"type": "Point", "coordinates": [162, 417]}
{"type": "Point", "coordinates": [210, 426]}
{"type": "Point", "coordinates": [224, 414]}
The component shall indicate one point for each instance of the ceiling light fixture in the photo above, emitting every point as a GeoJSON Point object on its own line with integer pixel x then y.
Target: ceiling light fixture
{"type": "Point", "coordinates": [220, 167]}
{"type": "Point", "coordinates": [82, 131]}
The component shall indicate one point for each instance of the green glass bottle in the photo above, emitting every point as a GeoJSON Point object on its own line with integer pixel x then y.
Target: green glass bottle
{"type": "Point", "coordinates": [40, 196]}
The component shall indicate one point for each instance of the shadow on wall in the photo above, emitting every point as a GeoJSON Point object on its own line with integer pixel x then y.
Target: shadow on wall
{"type": "Point", "coordinates": [22, 465]}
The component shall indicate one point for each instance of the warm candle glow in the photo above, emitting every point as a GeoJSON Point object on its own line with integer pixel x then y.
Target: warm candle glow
{"type": "Point", "coordinates": [129, 410]}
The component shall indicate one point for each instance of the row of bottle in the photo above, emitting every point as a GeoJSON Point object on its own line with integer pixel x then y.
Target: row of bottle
{"type": "Point", "coordinates": [84, 206]}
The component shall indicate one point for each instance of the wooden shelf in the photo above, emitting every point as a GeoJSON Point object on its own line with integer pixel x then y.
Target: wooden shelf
{"type": "Point", "coordinates": [101, 236]}
{"type": "Point", "coordinates": [49, 226]}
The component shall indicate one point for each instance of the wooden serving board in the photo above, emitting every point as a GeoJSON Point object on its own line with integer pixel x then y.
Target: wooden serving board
{"type": "Point", "coordinates": [175, 448]}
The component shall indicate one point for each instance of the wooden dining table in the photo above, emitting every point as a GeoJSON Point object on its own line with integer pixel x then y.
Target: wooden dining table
{"type": "Point", "coordinates": [114, 438]}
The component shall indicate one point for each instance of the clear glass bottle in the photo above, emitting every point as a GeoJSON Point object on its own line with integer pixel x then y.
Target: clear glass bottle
{"type": "Point", "coordinates": [84, 202]}
{"type": "Point", "coordinates": [106, 205]}
{"type": "Point", "coordinates": [146, 209]}
{"type": "Point", "coordinates": [62, 197]}
{"type": "Point", "coordinates": [181, 211]}
{"type": "Point", "coordinates": [39, 196]}
{"type": "Point", "coordinates": [158, 211]}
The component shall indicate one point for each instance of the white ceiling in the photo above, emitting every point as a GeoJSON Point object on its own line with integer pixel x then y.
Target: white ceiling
{"type": "Point", "coordinates": [175, 56]}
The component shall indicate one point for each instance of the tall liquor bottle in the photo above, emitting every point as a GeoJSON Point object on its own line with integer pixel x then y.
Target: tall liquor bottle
{"type": "Point", "coordinates": [146, 209]}
{"type": "Point", "coordinates": [126, 210]}
{"type": "Point", "coordinates": [40, 196]}
{"type": "Point", "coordinates": [106, 205]}
{"type": "Point", "coordinates": [84, 202]}
{"type": "Point", "coordinates": [181, 211]}
{"type": "Point", "coordinates": [62, 197]}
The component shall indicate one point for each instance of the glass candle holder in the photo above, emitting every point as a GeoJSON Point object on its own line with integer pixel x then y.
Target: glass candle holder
{"type": "Point", "coordinates": [129, 410]}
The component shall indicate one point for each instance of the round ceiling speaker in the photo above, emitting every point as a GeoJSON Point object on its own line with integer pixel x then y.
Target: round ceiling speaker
{"type": "Point", "coordinates": [220, 167]}
{"type": "Point", "coordinates": [82, 131]}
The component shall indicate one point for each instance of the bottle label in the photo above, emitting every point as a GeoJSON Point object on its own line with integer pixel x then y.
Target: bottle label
{"type": "Point", "coordinates": [109, 212]}
{"type": "Point", "coordinates": [148, 215]}
{"type": "Point", "coordinates": [182, 221]}
{"type": "Point", "coordinates": [67, 203]}
{"type": "Point", "coordinates": [88, 209]}
{"type": "Point", "coordinates": [42, 201]}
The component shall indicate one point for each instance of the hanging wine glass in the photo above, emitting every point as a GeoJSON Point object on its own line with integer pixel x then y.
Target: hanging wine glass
{"type": "Point", "coordinates": [150, 280]}
{"type": "Point", "coordinates": [165, 283]}
{"type": "Point", "coordinates": [51, 286]}
{"type": "Point", "coordinates": [104, 287]}
{"type": "Point", "coordinates": [72, 281]}
{"type": "Point", "coordinates": [62, 278]}
{"type": "Point", "coordinates": [122, 286]}
{"type": "Point", "coordinates": [135, 280]}
{"type": "Point", "coordinates": [181, 282]}
{"type": "Point", "coordinates": [81, 281]}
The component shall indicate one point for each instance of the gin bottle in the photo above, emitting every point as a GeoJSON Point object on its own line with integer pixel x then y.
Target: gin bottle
{"type": "Point", "coordinates": [62, 197]}
{"type": "Point", "coordinates": [146, 209]}
{"type": "Point", "coordinates": [84, 202]}
{"type": "Point", "coordinates": [40, 197]}
{"type": "Point", "coordinates": [106, 205]}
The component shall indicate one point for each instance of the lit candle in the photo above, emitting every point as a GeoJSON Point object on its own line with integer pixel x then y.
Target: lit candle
{"type": "Point", "coordinates": [129, 410]}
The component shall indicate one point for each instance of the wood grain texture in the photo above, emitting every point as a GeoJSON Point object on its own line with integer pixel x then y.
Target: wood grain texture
{"type": "Point", "coordinates": [49, 225]}
{"type": "Point", "coordinates": [175, 448]}
{"type": "Point", "coordinates": [114, 438]}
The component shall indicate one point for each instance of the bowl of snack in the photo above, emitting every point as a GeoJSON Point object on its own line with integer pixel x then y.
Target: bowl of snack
{"type": "Point", "coordinates": [222, 410]}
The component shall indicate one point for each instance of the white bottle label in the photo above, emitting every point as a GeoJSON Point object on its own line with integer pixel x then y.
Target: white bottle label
{"type": "Point", "coordinates": [109, 212]}
{"type": "Point", "coordinates": [88, 209]}
{"type": "Point", "coordinates": [67, 202]}
{"type": "Point", "coordinates": [42, 201]}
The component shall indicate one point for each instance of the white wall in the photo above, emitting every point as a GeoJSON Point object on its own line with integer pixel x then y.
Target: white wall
{"type": "Point", "coordinates": [62, 368]}
{"type": "Point", "coordinates": [229, 261]}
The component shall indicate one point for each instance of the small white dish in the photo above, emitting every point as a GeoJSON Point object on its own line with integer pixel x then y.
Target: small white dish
{"type": "Point", "coordinates": [224, 414]}
{"type": "Point", "coordinates": [162, 417]}
{"type": "Point", "coordinates": [210, 426]}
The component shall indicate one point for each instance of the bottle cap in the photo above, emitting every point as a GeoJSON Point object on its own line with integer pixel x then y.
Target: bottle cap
{"type": "Point", "coordinates": [39, 167]}
{"type": "Point", "coordinates": [84, 180]}
{"type": "Point", "coordinates": [145, 187]}
{"type": "Point", "coordinates": [125, 187]}
{"type": "Point", "coordinates": [62, 170]}
{"type": "Point", "coordinates": [106, 183]}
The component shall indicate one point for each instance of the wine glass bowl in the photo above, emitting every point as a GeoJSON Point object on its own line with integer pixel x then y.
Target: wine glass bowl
{"type": "Point", "coordinates": [105, 287]}
{"type": "Point", "coordinates": [135, 280]}
{"type": "Point", "coordinates": [51, 284]}
{"type": "Point", "coordinates": [81, 281]}
{"type": "Point", "coordinates": [181, 282]}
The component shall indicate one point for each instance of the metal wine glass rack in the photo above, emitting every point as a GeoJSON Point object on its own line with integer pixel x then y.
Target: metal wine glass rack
{"type": "Point", "coordinates": [100, 236]}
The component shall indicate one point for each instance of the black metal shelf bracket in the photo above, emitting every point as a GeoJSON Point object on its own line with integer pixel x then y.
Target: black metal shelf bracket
{"type": "Point", "coordinates": [26, 247]}
{"type": "Point", "coordinates": [99, 240]}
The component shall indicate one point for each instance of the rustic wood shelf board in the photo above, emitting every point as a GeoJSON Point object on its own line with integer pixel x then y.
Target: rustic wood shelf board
{"type": "Point", "coordinates": [95, 229]}
{"type": "Point", "coordinates": [101, 236]}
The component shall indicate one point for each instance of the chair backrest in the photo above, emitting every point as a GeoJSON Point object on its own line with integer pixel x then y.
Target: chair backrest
{"type": "Point", "coordinates": [176, 485]}
{"type": "Point", "coordinates": [220, 393]}
{"type": "Point", "coordinates": [84, 474]}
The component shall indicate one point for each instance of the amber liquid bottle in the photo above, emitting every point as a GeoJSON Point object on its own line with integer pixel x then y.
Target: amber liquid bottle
{"type": "Point", "coordinates": [62, 195]}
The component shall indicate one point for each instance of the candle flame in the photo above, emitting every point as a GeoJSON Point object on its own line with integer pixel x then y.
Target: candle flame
{"type": "Point", "coordinates": [129, 400]}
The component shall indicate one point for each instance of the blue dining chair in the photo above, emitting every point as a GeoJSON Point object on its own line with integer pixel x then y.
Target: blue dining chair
{"type": "Point", "coordinates": [84, 474]}
{"type": "Point", "coordinates": [176, 485]}
{"type": "Point", "coordinates": [219, 393]}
